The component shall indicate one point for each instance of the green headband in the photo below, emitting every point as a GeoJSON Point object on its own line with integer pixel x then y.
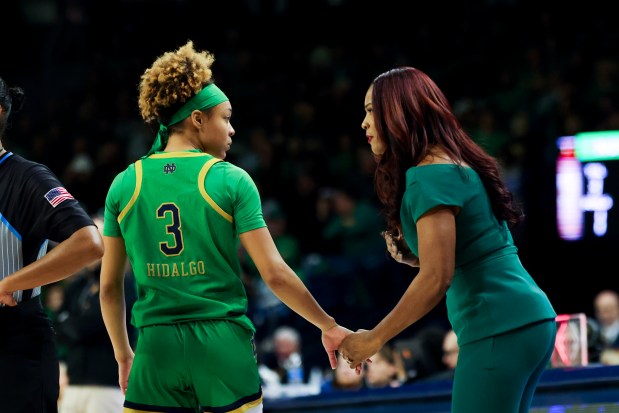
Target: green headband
{"type": "Point", "coordinates": [208, 97]}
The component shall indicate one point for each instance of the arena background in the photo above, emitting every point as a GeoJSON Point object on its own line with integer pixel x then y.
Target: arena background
{"type": "Point", "coordinates": [518, 73]}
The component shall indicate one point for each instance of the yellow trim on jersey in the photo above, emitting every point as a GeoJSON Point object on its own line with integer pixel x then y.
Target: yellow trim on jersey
{"type": "Point", "coordinates": [136, 192]}
{"type": "Point", "coordinates": [245, 407]}
{"type": "Point", "coordinates": [201, 178]}
{"type": "Point", "coordinates": [177, 154]}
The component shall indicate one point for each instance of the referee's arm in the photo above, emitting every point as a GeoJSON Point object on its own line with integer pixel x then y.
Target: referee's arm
{"type": "Point", "coordinates": [82, 248]}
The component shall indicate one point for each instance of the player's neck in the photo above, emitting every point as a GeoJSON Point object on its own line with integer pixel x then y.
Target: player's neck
{"type": "Point", "coordinates": [176, 144]}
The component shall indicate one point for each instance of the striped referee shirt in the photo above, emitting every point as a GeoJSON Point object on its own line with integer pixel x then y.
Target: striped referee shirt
{"type": "Point", "coordinates": [35, 208]}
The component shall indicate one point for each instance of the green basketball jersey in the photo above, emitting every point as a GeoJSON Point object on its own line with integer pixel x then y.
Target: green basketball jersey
{"type": "Point", "coordinates": [180, 215]}
{"type": "Point", "coordinates": [491, 291]}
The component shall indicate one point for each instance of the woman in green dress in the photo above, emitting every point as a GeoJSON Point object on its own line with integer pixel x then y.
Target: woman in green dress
{"type": "Point", "coordinates": [449, 213]}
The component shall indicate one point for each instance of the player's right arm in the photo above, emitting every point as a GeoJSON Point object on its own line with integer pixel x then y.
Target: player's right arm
{"type": "Point", "coordinates": [113, 309]}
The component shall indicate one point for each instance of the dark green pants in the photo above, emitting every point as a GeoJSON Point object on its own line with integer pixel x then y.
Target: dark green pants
{"type": "Point", "coordinates": [195, 366]}
{"type": "Point", "coordinates": [500, 373]}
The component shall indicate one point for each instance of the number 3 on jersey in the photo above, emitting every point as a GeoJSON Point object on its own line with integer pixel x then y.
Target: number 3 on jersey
{"type": "Point", "coordinates": [170, 212]}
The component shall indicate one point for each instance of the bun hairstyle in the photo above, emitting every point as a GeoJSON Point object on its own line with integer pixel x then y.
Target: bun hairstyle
{"type": "Point", "coordinates": [11, 100]}
{"type": "Point", "coordinates": [173, 79]}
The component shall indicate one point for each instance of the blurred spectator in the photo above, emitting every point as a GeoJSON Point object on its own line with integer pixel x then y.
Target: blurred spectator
{"type": "Point", "coordinates": [385, 370]}
{"type": "Point", "coordinates": [78, 173]}
{"type": "Point", "coordinates": [355, 226]}
{"type": "Point", "coordinates": [128, 127]}
{"type": "Point", "coordinates": [488, 135]}
{"type": "Point", "coordinates": [288, 245]}
{"type": "Point", "coordinates": [301, 187]}
{"type": "Point", "coordinates": [422, 354]}
{"type": "Point", "coordinates": [53, 297]}
{"type": "Point", "coordinates": [258, 160]}
{"type": "Point", "coordinates": [450, 350]}
{"type": "Point", "coordinates": [109, 161]}
{"type": "Point", "coordinates": [606, 306]}
{"type": "Point", "coordinates": [343, 378]}
{"type": "Point", "coordinates": [343, 162]}
{"type": "Point", "coordinates": [285, 356]}
{"type": "Point", "coordinates": [354, 252]}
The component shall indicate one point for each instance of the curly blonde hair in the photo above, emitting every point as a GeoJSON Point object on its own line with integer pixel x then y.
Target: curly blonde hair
{"type": "Point", "coordinates": [174, 78]}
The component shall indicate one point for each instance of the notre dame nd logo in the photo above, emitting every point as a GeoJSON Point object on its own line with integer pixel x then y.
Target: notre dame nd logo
{"type": "Point", "coordinates": [169, 168]}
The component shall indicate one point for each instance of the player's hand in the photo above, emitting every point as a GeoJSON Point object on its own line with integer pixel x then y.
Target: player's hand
{"type": "Point", "coordinates": [331, 340]}
{"type": "Point", "coordinates": [398, 249]}
{"type": "Point", "coordinates": [124, 369]}
{"type": "Point", "coordinates": [358, 347]}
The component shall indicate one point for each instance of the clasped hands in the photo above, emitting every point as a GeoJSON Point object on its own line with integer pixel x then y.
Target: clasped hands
{"type": "Point", "coordinates": [358, 347]}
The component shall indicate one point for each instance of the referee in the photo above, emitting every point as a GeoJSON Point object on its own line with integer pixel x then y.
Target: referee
{"type": "Point", "coordinates": [34, 208]}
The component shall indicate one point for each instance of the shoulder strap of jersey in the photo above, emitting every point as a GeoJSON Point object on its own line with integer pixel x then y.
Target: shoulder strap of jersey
{"type": "Point", "coordinates": [201, 178]}
{"type": "Point", "coordinates": [136, 191]}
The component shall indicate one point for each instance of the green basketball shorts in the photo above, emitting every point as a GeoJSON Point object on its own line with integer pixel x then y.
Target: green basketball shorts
{"type": "Point", "coordinates": [198, 366]}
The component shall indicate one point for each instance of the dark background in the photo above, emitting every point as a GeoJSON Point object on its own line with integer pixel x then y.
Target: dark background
{"type": "Point", "coordinates": [554, 63]}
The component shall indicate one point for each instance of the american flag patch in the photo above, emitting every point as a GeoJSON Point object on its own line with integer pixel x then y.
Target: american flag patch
{"type": "Point", "coordinates": [56, 196]}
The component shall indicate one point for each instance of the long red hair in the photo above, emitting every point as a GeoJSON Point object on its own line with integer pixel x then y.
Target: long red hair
{"type": "Point", "coordinates": [412, 115]}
